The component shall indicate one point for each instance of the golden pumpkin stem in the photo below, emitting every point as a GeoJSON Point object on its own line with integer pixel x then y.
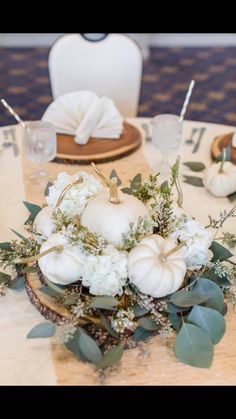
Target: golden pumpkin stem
{"type": "Point", "coordinates": [101, 175]}
{"type": "Point", "coordinates": [66, 189]}
{"type": "Point", "coordinates": [163, 256]}
{"type": "Point", "coordinates": [34, 258]}
{"type": "Point", "coordinates": [111, 184]}
{"type": "Point", "coordinates": [114, 196]}
{"type": "Point", "coordinates": [177, 185]}
{"type": "Point", "coordinates": [221, 169]}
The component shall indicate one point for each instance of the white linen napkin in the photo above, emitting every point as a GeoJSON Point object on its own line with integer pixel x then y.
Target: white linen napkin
{"type": "Point", "coordinates": [85, 115]}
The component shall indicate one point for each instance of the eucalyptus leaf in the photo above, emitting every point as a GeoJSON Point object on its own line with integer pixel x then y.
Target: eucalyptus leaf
{"type": "Point", "coordinates": [140, 311]}
{"type": "Point", "coordinates": [187, 298]}
{"type": "Point", "coordinates": [89, 348]}
{"type": "Point", "coordinates": [193, 180]}
{"type": "Point", "coordinates": [220, 280]}
{"type": "Point", "coordinates": [49, 291]}
{"type": "Point", "coordinates": [148, 324]}
{"type": "Point", "coordinates": [60, 289]}
{"type": "Point", "coordinates": [209, 320]}
{"type": "Point", "coordinates": [108, 326]}
{"type": "Point", "coordinates": [129, 191]}
{"type": "Point", "coordinates": [165, 187]}
{"type": "Point", "coordinates": [42, 330]}
{"type": "Point", "coordinates": [4, 278]}
{"type": "Point", "coordinates": [172, 308]}
{"type": "Point", "coordinates": [19, 235]}
{"type": "Point", "coordinates": [193, 346]}
{"type": "Point", "coordinates": [136, 181]}
{"type": "Point", "coordinates": [17, 284]}
{"type": "Point", "coordinates": [215, 296]}
{"type": "Point", "coordinates": [73, 346]}
{"type": "Point", "coordinates": [114, 174]}
{"type": "Point", "coordinates": [175, 321]}
{"type": "Point", "coordinates": [195, 166]}
{"type": "Point", "coordinates": [219, 252]}
{"type": "Point", "coordinates": [111, 357]}
{"type": "Point", "coordinates": [46, 190]}
{"type": "Point", "coordinates": [224, 310]}
{"type": "Point", "coordinates": [141, 334]}
{"type": "Point", "coordinates": [6, 246]}
{"type": "Point", "coordinates": [33, 209]}
{"type": "Point", "coordinates": [104, 301]}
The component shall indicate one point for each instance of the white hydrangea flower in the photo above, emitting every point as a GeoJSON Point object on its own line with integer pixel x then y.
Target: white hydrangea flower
{"type": "Point", "coordinates": [198, 240]}
{"type": "Point", "coordinates": [75, 198]}
{"type": "Point", "coordinates": [105, 274]}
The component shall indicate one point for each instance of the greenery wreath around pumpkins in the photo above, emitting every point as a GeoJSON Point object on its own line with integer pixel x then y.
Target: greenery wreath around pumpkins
{"type": "Point", "coordinates": [126, 263]}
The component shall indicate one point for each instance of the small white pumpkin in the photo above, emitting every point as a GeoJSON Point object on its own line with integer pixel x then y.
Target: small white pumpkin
{"type": "Point", "coordinates": [43, 222]}
{"type": "Point", "coordinates": [61, 267]}
{"type": "Point", "coordinates": [220, 179]}
{"type": "Point", "coordinates": [111, 215]}
{"type": "Point", "coordinates": [156, 266]}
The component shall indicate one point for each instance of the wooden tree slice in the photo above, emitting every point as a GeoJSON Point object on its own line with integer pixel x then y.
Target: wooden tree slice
{"type": "Point", "coordinates": [45, 304]}
{"type": "Point", "coordinates": [221, 142]}
{"type": "Point", "coordinates": [98, 150]}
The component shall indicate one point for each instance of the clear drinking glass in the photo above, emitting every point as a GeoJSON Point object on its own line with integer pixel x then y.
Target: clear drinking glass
{"type": "Point", "coordinates": [41, 145]}
{"type": "Point", "coordinates": [166, 138]}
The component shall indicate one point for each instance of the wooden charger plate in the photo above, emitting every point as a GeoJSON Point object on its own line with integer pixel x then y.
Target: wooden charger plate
{"type": "Point", "coordinates": [97, 149]}
{"type": "Point", "coordinates": [223, 141]}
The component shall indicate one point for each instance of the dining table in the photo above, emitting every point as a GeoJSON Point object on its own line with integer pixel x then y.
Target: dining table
{"type": "Point", "coordinates": [43, 361]}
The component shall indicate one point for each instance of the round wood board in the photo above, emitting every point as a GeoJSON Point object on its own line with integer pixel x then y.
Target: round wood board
{"type": "Point", "coordinates": [45, 304]}
{"type": "Point", "coordinates": [221, 142]}
{"type": "Point", "coordinates": [98, 150]}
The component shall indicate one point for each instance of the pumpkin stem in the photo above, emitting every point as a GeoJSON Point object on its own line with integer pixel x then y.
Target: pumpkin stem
{"type": "Point", "coordinates": [67, 187]}
{"type": "Point", "coordinates": [34, 258]}
{"type": "Point", "coordinates": [163, 256]}
{"type": "Point", "coordinates": [101, 175]}
{"type": "Point", "coordinates": [114, 196]}
{"type": "Point", "coordinates": [177, 185]}
{"type": "Point", "coordinates": [222, 161]}
{"type": "Point", "coordinates": [111, 184]}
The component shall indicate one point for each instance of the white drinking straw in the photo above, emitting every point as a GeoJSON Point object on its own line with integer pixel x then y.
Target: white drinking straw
{"type": "Point", "coordinates": [13, 113]}
{"type": "Point", "coordinates": [184, 108]}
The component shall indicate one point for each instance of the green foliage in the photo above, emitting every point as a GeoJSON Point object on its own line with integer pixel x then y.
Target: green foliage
{"type": "Point", "coordinates": [42, 330]}
{"type": "Point", "coordinates": [141, 334]}
{"type": "Point", "coordinates": [6, 246]}
{"type": "Point", "coordinates": [175, 321]}
{"type": "Point", "coordinates": [73, 346]}
{"type": "Point", "coordinates": [195, 166]}
{"type": "Point", "coordinates": [33, 209]}
{"type": "Point", "coordinates": [4, 278]}
{"type": "Point", "coordinates": [193, 180]}
{"type": "Point", "coordinates": [219, 252]}
{"type": "Point", "coordinates": [193, 346]}
{"type": "Point", "coordinates": [18, 283]}
{"type": "Point", "coordinates": [209, 320]}
{"type": "Point", "coordinates": [140, 311]}
{"type": "Point", "coordinates": [187, 298]}
{"type": "Point", "coordinates": [214, 295]}
{"type": "Point", "coordinates": [89, 348]}
{"type": "Point", "coordinates": [108, 326]}
{"type": "Point", "coordinates": [111, 357]}
{"type": "Point", "coordinates": [148, 324]}
{"type": "Point", "coordinates": [46, 190]}
{"type": "Point", "coordinates": [104, 301]}
{"type": "Point", "coordinates": [114, 174]}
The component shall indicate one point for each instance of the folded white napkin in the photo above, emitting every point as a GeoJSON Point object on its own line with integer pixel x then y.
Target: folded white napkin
{"type": "Point", "coordinates": [85, 115]}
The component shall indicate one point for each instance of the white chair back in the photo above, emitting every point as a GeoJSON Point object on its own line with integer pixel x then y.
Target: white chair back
{"type": "Point", "coordinates": [110, 67]}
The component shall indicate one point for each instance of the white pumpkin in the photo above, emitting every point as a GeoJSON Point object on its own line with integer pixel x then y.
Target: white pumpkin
{"type": "Point", "coordinates": [110, 219]}
{"type": "Point", "coordinates": [220, 183]}
{"type": "Point", "coordinates": [43, 222]}
{"type": "Point", "coordinates": [61, 267]}
{"type": "Point", "coordinates": [152, 270]}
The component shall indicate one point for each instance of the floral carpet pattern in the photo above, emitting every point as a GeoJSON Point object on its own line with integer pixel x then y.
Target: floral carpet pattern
{"type": "Point", "coordinates": [24, 83]}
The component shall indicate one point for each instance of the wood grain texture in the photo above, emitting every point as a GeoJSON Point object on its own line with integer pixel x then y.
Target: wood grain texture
{"type": "Point", "coordinates": [161, 367]}
{"type": "Point", "coordinates": [97, 149]}
{"type": "Point", "coordinates": [221, 142]}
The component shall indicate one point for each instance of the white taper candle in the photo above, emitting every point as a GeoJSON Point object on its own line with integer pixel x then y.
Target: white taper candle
{"type": "Point", "coordinates": [186, 102]}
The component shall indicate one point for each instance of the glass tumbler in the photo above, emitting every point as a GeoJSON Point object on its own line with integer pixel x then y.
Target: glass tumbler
{"type": "Point", "coordinates": [41, 145]}
{"type": "Point", "coordinates": [166, 137]}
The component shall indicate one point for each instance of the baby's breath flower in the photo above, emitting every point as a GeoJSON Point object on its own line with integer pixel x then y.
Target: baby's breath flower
{"type": "Point", "coordinates": [78, 309]}
{"type": "Point", "coordinates": [123, 320]}
{"type": "Point", "coordinates": [65, 331]}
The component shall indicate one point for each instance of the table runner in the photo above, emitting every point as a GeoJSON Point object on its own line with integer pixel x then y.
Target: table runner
{"type": "Point", "coordinates": [156, 364]}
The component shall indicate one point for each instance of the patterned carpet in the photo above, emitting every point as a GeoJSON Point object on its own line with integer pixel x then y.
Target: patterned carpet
{"type": "Point", "coordinates": [24, 83]}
